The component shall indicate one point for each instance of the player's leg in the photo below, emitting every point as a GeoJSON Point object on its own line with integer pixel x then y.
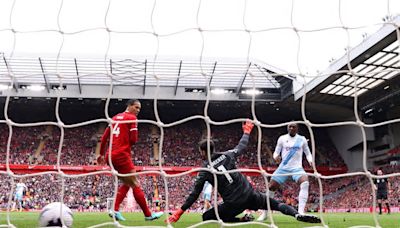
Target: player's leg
{"type": "Point", "coordinates": [121, 194]}
{"type": "Point", "coordinates": [121, 164]}
{"type": "Point", "coordinates": [18, 201]}
{"type": "Point", "coordinates": [207, 201]}
{"type": "Point", "coordinates": [274, 185]}
{"type": "Point", "coordinates": [207, 197]}
{"type": "Point", "coordinates": [387, 203]}
{"type": "Point", "coordinates": [227, 212]}
{"type": "Point", "coordinates": [124, 165]}
{"type": "Point", "coordinates": [259, 201]}
{"type": "Point", "coordinates": [14, 204]}
{"type": "Point", "coordinates": [138, 193]}
{"type": "Point", "coordinates": [303, 193]}
{"type": "Point", "coordinates": [207, 205]}
{"type": "Point", "coordinates": [379, 202]}
{"type": "Point", "coordinates": [387, 206]}
{"type": "Point", "coordinates": [140, 198]}
{"type": "Point", "coordinates": [19, 204]}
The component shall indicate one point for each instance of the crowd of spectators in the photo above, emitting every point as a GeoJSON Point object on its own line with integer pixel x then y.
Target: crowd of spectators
{"type": "Point", "coordinates": [91, 192]}
{"type": "Point", "coordinates": [179, 145]}
{"type": "Point", "coordinates": [40, 145]}
{"type": "Point", "coordinates": [78, 146]}
{"type": "Point", "coordinates": [357, 193]}
{"type": "Point", "coordinates": [23, 144]}
{"type": "Point", "coordinates": [178, 149]}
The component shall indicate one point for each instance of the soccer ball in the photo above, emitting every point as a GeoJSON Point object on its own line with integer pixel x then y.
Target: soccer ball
{"type": "Point", "coordinates": [51, 216]}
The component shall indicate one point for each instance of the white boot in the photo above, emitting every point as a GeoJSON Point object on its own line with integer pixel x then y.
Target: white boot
{"type": "Point", "coordinates": [263, 216]}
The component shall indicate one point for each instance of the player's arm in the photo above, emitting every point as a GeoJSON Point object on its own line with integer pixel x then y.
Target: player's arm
{"type": "Point", "coordinates": [242, 145]}
{"type": "Point", "coordinates": [375, 185]}
{"type": "Point", "coordinates": [278, 150]}
{"type": "Point", "coordinates": [133, 132]}
{"type": "Point", "coordinates": [306, 151]}
{"type": "Point", "coordinates": [193, 196]}
{"type": "Point", "coordinates": [103, 145]}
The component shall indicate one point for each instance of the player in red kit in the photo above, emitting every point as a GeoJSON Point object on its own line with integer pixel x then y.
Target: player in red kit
{"type": "Point", "coordinates": [125, 135]}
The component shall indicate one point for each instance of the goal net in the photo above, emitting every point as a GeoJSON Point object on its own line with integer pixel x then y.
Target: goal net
{"type": "Point", "coordinates": [201, 68]}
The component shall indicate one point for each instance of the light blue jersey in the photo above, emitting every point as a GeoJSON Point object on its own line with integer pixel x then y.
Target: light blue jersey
{"type": "Point", "coordinates": [291, 150]}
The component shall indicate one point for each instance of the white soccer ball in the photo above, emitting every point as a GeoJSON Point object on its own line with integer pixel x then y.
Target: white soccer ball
{"type": "Point", "coordinates": [51, 216]}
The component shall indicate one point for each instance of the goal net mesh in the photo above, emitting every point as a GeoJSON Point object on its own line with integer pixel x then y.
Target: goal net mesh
{"type": "Point", "coordinates": [300, 38]}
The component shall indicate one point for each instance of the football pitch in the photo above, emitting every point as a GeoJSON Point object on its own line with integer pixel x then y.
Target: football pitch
{"type": "Point", "coordinates": [86, 219]}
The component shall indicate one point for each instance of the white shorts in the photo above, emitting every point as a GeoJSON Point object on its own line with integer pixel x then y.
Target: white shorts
{"type": "Point", "coordinates": [207, 196]}
{"type": "Point", "coordinates": [282, 179]}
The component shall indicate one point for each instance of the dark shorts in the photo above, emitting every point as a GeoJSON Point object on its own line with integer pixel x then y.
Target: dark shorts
{"type": "Point", "coordinates": [121, 162]}
{"type": "Point", "coordinates": [381, 195]}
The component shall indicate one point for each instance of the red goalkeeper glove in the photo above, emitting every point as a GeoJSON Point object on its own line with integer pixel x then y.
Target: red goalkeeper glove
{"type": "Point", "coordinates": [175, 216]}
{"type": "Point", "coordinates": [247, 127]}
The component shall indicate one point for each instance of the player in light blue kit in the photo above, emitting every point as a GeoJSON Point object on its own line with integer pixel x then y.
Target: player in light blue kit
{"type": "Point", "coordinates": [19, 195]}
{"type": "Point", "coordinates": [207, 191]}
{"type": "Point", "coordinates": [289, 153]}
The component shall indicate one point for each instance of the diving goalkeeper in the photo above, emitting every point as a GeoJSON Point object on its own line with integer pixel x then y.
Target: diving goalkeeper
{"type": "Point", "coordinates": [235, 190]}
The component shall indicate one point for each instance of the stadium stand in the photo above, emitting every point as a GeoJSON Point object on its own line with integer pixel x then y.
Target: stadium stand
{"type": "Point", "coordinates": [178, 151]}
{"type": "Point", "coordinates": [39, 146]}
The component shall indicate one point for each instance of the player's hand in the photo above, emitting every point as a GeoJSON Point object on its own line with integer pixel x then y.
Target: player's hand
{"type": "Point", "coordinates": [175, 216]}
{"type": "Point", "coordinates": [101, 160]}
{"type": "Point", "coordinates": [247, 127]}
{"type": "Point", "coordinates": [278, 159]}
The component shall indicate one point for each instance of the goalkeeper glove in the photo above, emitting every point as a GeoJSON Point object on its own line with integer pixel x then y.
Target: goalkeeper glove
{"type": "Point", "coordinates": [247, 127]}
{"type": "Point", "coordinates": [175, 217]}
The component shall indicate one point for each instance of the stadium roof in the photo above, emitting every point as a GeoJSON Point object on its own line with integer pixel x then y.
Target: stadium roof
{"type": "Point", "coordinates": [228, 79]}
{"type": "Point", "coordinates": [376, 66]}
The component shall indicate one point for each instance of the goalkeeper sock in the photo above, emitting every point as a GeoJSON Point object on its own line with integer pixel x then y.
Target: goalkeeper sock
{"type": "Point", "coordinates": [121, 194]}
{"type": "Point", "coordinates": [380, 208]}
{"type": "Point", "coordinates": [139, 197]}
{"type": "Point", "coordinates": [303, 196]}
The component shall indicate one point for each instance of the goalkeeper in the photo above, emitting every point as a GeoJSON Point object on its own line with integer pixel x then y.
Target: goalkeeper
{"type": "Point", "coordinates": [234, 188]}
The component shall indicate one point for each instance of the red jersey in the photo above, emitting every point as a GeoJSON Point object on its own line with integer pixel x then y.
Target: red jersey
{"type": "Point", "coordinates": [124, 134]}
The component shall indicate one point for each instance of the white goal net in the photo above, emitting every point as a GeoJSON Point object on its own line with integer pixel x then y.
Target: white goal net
{"type": "Point", "coordinates": [308, 59]}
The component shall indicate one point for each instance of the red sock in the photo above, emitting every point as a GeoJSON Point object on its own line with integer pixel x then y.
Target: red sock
{"type": "Point", "coordinates": [139, 197]}
{"type": "Point", "coordinates": [122, 191]}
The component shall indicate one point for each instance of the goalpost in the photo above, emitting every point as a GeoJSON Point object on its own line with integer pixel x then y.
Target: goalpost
{"type": "Point", "coordinates": [289, 35]}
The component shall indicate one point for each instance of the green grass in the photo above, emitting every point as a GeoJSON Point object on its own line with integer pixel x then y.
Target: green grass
{"type": "Point", "coordinates": [29, 220]}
